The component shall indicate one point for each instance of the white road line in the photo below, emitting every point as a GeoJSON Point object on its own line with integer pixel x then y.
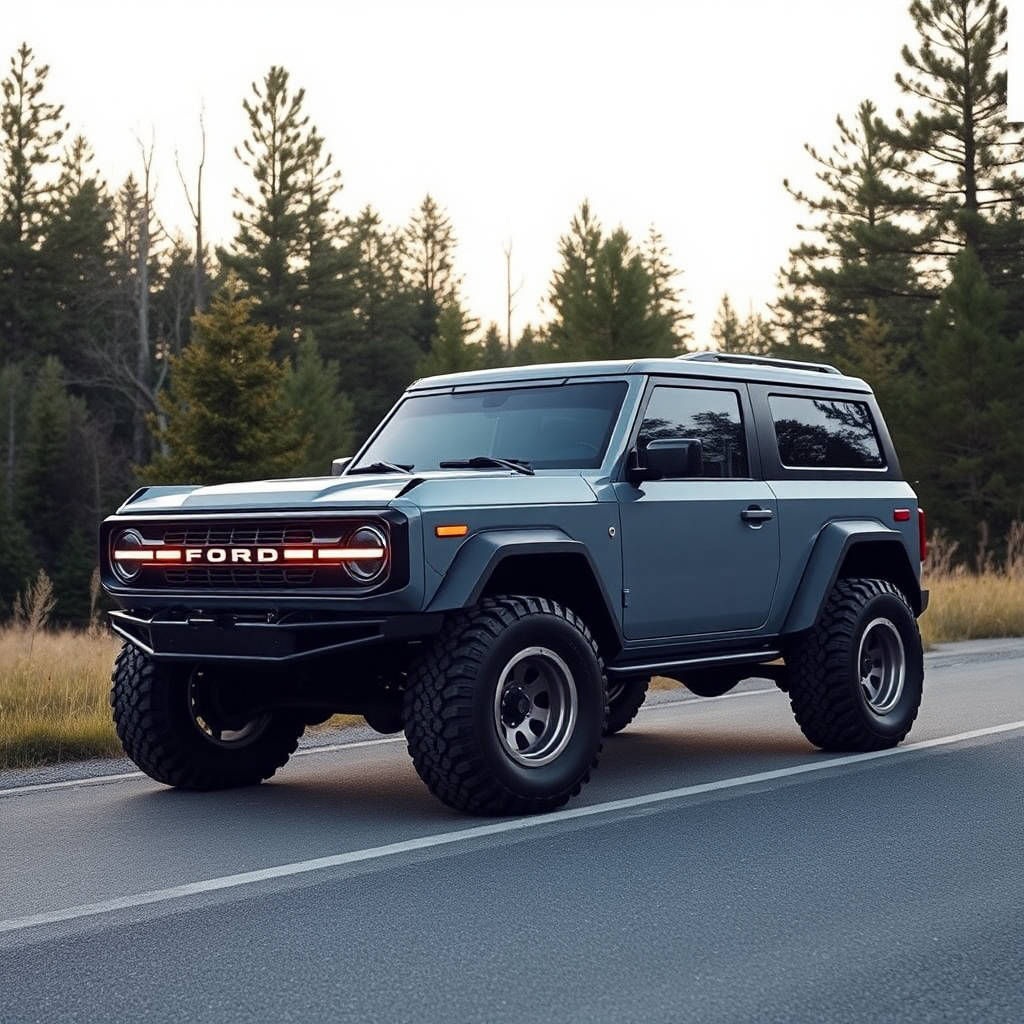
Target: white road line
{"type": "Point", "coordinates": [330, 748]}
{"type": "Point", "coordinates": [478, 832]}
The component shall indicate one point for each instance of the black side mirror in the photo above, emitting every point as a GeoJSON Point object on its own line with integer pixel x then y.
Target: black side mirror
{"type": "Point", "coordinates": [338, 465]}
{"type": "Point", "coordinates": [668, 458]}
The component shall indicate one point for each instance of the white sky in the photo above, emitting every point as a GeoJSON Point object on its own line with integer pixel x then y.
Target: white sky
{"type": "Point", "coordinates": [681, 113]}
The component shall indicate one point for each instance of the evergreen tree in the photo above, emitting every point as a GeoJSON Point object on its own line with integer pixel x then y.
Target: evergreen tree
{"type": "Point", "coordinates": [532, 347]}
{"type": "Point", "coordinates": [971, 399]}
{"type": "Point", "coordinates": [30, 133]}
{"type": "Point", "coordinates": [55, 493]}
{"type": "Point", "coordinates": [963, 160]}
{"type": "Point", "coordinates": [665, 295]}
{"type": "Point", "coordinates": [493, 352]}
{"type": "Point", "coordinates": [429, 256]}
{"type": "Point", "coordinates": [323, 414]}
{"type": "Point", "coordinates": [859, 245]}
{"type": "Point", "coordinates": [78, 255]}
{"type": "Point", "coordinates": [379, 358]}
{"type": "Point", "coordinates": [605, 302]}
{"type": "Point", "coordinates": [286, 232]}
{"type": "Point", "coordinates": [450, 350]}
{"type": "Point", "coordinates": [17, 562]}
{"type": "Point", "coordinates": [751, 335]}
{"type": "Point", "coordinates": [871, 354]}
{"type": "Point", "coordinates": [726, 330]}
{"type": "Point", "coordinates": [226, 418]}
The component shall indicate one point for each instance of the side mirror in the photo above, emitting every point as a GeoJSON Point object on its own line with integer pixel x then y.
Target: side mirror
{"type": "Point", "coordinates": [668, 458]}
{"type": "Point", "coordinates": [338, 465]}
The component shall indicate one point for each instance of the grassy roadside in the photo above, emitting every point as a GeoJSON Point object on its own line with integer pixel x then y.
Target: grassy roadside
{"type": "Point", "coordinates": [54, 684]}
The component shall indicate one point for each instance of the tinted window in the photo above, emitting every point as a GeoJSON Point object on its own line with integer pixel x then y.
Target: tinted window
{"type": "Point", "coordinates": [710, 416]}
{"type": "Point", "coordinates": [823, 433]}
{"type": "Point", "coordinates": [560, 427]}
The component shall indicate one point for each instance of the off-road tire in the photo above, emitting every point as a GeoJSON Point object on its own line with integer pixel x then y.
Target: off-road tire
{"type": "Point", "coordinates": [625, 698]}
{"type": "Point", "coordinates": [153, 704]}
{"type": "Point", "coordinates": [455, 706]}
{"type": "Point", "coordinates": [834, 668]}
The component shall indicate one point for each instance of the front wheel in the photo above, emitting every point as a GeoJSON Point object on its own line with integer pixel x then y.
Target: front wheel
{"type": "Point", "coordinates": [174, 723]}
{"type": "Point", "coordinates": [505, 714]}
{"type": "Point", "coordinates": [855, 680]}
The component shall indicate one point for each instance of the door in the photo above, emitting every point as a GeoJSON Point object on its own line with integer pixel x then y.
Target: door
{"type": "Point", "coordinates": [701, 554]}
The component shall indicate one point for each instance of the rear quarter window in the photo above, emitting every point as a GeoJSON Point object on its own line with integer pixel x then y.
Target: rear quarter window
{"type": "Point", "coordinates": [825, 433]}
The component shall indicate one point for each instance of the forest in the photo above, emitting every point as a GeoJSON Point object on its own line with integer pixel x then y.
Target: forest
{"type": "Point", "coordinates": [130, 355]}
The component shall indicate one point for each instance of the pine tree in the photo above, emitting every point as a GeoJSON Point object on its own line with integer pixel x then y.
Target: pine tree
{"type": "Point", "coordinates": [726, 330]}
{"type": "Point", "coordinates": [379, 358]}
{"type": "Point", "coordinates": [286, 231]}
{"type": "Point", "coordinates": [429, 256]}
{"type": "Point", "coordinates": [30, 134]}
{"type": "Point", "coordinates": [665, 294]}
{"type": "Point", "coordinates": [226, 417]}
{"type": "Point", "coordinates": [606, 305]}
{"type": "Point", "coordinates": [859, 245]}
{"type": "Point", "coordinates": [450, 349]}
{"type": "Point", "coordinates": [493, 352]}
{"type": "Point", "coordinates": [971, 399]}
{"type": "Point", "coordinates": [963, 159]}
{"type": "Point", "coordinates": [323, 414]}
{"type": "Point", "coordinates": [78, 255]}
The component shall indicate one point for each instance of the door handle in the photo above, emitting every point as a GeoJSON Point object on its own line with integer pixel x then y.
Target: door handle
{"type": "Point", "coordinates": [755, 514]}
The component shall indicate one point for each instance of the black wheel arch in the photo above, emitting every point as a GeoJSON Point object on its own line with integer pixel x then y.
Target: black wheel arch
{"type": "Point", "coordinates": [542, 563]}
{"type": "Point", "coordinates": [852, 550]}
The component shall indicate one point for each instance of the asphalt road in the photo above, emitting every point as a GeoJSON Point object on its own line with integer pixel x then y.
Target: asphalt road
{"type": "Point", "coordinates": [717, 868]}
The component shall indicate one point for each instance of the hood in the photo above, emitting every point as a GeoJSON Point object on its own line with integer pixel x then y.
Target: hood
{"type": "Point", "coordinates": [259, 495]}
{"type": "Point", "coordinates": [441, 488]}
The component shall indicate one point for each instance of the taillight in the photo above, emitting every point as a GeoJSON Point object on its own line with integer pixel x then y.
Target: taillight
{"type": "Point", "coordinates": [922, 533]}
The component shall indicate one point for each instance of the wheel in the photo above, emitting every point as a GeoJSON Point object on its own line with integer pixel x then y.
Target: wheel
{"type": "Point", "coordinates": [173, 724]}
{"type": "Point", "coordinates": [625, 698]}
{"type": "Point", "coordinates": [505, 714]}
{"type": "Point", "coordinates": [855, 680]}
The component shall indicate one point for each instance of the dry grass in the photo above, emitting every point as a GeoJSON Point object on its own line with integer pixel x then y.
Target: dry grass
{"type": "Point", "coordinates": [987, 601]}
{"type": "Point", "coordinates": [54, 690]}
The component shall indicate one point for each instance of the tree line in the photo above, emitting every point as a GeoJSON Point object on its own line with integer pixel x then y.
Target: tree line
{"type": "Point", "coordinates": [130, 355]}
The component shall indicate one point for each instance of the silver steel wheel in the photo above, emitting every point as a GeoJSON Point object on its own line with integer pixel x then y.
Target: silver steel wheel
{"type": "Point", "coordinates": [211, 720]}
{"type": "Point", "coordinates": [535, 707]}
{"type": "Point", "coordinates": [882, 664]}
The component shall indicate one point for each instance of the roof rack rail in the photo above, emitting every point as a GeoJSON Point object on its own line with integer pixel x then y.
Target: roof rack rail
{"type": "Point", "coordinates": [739, 357]}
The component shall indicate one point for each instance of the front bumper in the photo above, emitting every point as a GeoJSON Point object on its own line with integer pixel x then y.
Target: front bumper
{"type": "Point", "coordinates": [245, 636]}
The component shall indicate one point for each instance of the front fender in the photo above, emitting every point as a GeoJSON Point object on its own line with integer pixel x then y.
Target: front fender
{"type": "Point", "coordinates": [476, 560]}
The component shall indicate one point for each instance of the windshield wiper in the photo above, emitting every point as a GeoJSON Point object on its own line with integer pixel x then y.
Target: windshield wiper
{"type": "Point", "coordinates": [381, 467]}
{"type": "Point", "coordinates": [487, 462]}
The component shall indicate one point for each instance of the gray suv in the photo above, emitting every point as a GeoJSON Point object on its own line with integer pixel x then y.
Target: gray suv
{"type": "Point", "coordinates": [510, 558]}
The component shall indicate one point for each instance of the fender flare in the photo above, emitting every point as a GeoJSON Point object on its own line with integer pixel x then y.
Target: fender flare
{"type": "Point", "coordinates": [835, 541]}
{"type": "Point", "coordinates": [479, 557]}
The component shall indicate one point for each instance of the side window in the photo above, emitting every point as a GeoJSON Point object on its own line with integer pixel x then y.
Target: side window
{"type": "Point", "coordinates": [710, 416]}
{"type": "Point", "coordinates": [823, 433]}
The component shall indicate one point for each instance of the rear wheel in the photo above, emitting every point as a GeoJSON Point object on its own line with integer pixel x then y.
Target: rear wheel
{"type": "Point", "coordinates": [505, 714]}
{"type": "Point", "coordinates": [855, 680]}
{"type": "Point", "coordinates": [175, 724]}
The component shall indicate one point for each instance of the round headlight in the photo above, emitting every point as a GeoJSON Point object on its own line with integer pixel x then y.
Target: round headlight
{"type": "Point", "coordinates": [125, 566]}
{"type": "Point", "coordinates": [369, 567]}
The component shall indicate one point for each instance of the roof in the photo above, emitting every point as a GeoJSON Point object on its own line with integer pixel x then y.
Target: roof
{"type": "Point", "coordinates": [707, 365]}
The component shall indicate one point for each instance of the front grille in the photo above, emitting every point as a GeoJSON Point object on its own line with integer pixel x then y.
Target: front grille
{"type": "Point", "coordinates": [239, 576]}
{"type": "Point", "coordinates": [243, 534]}
{"type": "Point", "coordinates": [196, 572]}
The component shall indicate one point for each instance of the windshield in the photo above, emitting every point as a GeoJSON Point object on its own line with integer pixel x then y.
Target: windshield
{"type": "Point", "coordinates": [565, 426]}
